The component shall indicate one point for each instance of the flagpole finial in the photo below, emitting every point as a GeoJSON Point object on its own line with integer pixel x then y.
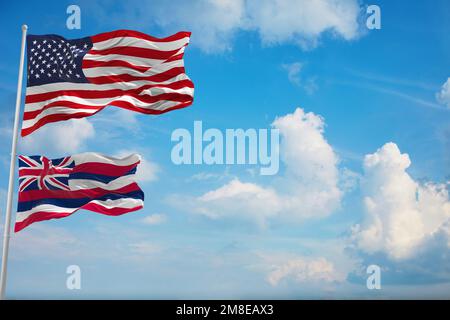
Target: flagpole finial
{"type": "Point", "coordinates": [24, 27]}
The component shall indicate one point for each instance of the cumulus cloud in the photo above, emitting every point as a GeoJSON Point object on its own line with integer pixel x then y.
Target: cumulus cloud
{"type": "Point", "coordinates": [154, 219]}
{"type": "Point", "coordinates": [61, 137]}
{"type": "Point", "coordinates": [238, 198]}
{"type": "Point", "coordinates": [402, 215]}
{"type": "Point", "coordinates": [444, 95]}
{"type": "Point", "coordinates": [215, 23]}
{"type": "Point", "coordinates": [302, 269]}
{"type": "Point", "coordinates": [303, 21]}
{"type": "Point", "coordinates": [308, 188]}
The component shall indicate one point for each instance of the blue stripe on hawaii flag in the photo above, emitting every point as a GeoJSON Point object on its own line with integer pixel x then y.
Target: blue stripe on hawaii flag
{"type": "Point", "coordinates": [56, 188]}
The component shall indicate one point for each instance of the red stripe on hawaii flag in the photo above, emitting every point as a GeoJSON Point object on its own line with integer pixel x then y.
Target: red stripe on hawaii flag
{"type": "Point", "coordinates": [77, 78]}
{"type": "Point", "coordinates": [57, 188]}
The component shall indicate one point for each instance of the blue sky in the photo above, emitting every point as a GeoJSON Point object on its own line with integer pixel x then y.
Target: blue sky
{"type": "Point", "coordinates": [356, 90]}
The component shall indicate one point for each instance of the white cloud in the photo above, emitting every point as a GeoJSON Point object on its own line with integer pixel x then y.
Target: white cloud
{"type": "Point", "coordinates": [64, 137]}
{"type": "Point", "coordinates": [117, 118]}
{"type": "Point", "coordinates": [293, 70]}
{"type": "Point", "coordinates": [308, 189]}
{"type": "Point", "coordinates": [245, 199]}
{"type": "Point", "coordinates": [401, 213]}
{"type": "Point", "coordinates": [147, 171]}
{"type": "Point", "coordinates": [145, 248]}
{"type": "Point", "coordinates": [41, 240]}
{"type": "Point", "coordinates": [303, 269]}
{"type": "Point", "coordinates": [294, 75]}
{"type": "Point", "coordinates": [303, 21]}
{"type": "Point", "coordinates": [215, 23]}
{"type": "Point", "coordinates": [154, 219]}
{"type": "Point", "coordinates": [444, 95]}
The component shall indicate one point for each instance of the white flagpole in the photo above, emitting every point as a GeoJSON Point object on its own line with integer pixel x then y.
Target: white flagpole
{"type": "Point", "coordinates": [12, 167]}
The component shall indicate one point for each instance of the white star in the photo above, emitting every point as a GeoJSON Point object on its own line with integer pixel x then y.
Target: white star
{"type": "Point", "coordinates": [77, 75]}
{"type": "Point", "coordinates": [34, 42]}
{"type": "Point", "coordinates": [37, 75]}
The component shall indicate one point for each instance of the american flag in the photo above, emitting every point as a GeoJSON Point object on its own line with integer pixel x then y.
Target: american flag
{"type": "Point", "coordinates": [57, 188]}
{"type": "Point", "coordinates": [128, 69]}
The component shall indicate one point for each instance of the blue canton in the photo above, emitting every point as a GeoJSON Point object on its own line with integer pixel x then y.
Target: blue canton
{"type": "Point", "coordinates": [53, 59]}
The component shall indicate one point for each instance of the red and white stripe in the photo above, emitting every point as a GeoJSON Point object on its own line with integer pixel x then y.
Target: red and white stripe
{"type": "Point", "coordinates": [126, 69]}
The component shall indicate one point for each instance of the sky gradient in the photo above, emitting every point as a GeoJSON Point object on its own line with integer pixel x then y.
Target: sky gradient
{"type": "Point", "coordinates": [364, 118]}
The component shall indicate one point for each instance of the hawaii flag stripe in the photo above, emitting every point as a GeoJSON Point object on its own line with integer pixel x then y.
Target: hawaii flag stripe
{"type": "Point", "coordinates": [87, 181]}
{"type": "Point", "coordinates": [127, 69]}
{"type": "Point", "coordinates": [23, 221]}
{"type": "Point", "coordinates": [31, 195]}
{"type": "Point", "coordinates": [76, 202]}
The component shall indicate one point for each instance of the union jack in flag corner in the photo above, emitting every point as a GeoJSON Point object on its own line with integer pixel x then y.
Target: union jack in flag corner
{"type": "Point", "coordinates": [77, 78]}
{"type": "Point", "coordinates": [56, 188]}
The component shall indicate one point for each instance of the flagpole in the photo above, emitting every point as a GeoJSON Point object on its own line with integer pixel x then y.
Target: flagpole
{"type": "Point", "coordinates": [12, 166]}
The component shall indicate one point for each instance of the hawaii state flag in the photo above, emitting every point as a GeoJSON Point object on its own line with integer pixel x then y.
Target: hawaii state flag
{"type": "Point", "coordinates": [56, 188]}
{"type": "Point", "coordinates": [76, 78]}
